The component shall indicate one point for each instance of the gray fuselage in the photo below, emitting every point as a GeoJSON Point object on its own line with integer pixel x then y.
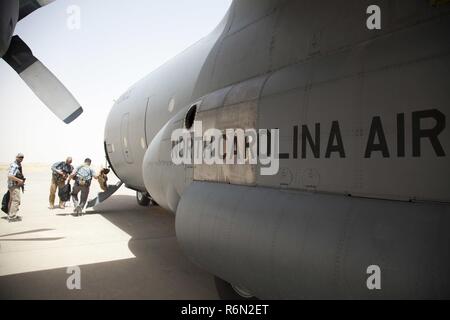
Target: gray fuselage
{"type": "Point", "coordinates": [364, 175]}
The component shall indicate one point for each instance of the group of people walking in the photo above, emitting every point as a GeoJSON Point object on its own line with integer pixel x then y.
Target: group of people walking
{"type": "Point", "coordinates": [62, 174]}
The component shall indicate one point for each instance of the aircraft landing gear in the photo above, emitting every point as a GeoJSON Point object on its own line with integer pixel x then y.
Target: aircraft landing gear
{"type": "Point", "coordinates": [143, 199]}
{"type": "Point", "coordinates": [228, 291]}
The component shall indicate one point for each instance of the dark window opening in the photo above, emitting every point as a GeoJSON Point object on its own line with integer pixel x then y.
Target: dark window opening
{"type": "Point", "coordinates": [190, 117]}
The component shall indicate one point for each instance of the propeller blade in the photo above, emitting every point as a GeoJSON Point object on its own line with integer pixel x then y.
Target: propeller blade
{"type": "Point", "coordinates": [42, 81]}
{"type": "Point", "coordinates": [29, 6]}
{"type": "Point", "coordinates": [9, 12]}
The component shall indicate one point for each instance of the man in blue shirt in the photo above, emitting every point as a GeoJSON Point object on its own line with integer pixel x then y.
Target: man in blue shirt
{"type": "Point", "coordinates": [60, 172]}
{"type": "Point", "coordinates": [83, 177]}
{"type": "Point", "coordinates": [15, 183]}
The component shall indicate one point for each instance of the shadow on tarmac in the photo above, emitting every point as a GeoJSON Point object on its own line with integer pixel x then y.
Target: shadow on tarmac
{"type": "Point", "coordinates": [159, 270]}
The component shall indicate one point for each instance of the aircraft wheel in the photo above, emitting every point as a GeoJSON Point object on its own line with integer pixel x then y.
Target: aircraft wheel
{"type": "Point", "coordinates": [228, 291]}
{"type": "Point", "coordinates": [142, 199]}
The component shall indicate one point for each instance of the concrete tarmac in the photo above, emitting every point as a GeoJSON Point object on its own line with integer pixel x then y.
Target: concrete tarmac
{"type": "Point", "coordinates": [123, 250]}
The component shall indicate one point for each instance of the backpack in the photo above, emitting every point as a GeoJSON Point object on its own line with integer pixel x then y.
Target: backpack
{"type": "Point", "coordinates": [84, 176]}
{"type": "Point", "coordinates": [5, 202]}
{"type": "Point", "coordinates": [64, 193]}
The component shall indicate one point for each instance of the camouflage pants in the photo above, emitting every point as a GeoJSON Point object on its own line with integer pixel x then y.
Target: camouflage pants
{"type": "Point", "coordinates": [14, 201]}
{"type": "Point", "coordinates": [57, 184]}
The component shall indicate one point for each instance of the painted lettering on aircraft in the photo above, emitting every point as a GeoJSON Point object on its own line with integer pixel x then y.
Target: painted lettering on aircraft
{"type": "Point", "coordinates": [307, 139]}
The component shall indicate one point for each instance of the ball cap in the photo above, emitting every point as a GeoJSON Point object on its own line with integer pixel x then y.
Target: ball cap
{"type": "Point", "coordinates": [20, 155]}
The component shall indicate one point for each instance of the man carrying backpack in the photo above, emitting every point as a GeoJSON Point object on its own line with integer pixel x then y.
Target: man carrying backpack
{"type": "Point", "coordinates": [83, 177]}
{"type": "Point", "coordinates": [16, 183]}
{"type": "Point", "coordinates": [60, 172]}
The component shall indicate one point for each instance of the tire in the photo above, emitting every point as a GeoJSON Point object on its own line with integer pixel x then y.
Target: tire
{"type": "Point", "coordinates": [142, 199]}
{"type": "Point", "coordinates": [228, 292]}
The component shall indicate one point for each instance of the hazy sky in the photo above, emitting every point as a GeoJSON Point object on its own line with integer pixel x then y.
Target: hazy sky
{"type": "Point", "coordinates": [119, 42]}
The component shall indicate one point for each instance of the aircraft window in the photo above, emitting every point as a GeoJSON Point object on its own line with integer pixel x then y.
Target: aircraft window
{"type": "Point", "coordinates": [190, 117]}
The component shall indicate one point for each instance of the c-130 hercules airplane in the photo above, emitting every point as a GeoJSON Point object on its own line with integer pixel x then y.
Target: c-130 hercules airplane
{"type": "Point", "coordinates": [362, 182]}
{"type": "Point", "coordinates": [364, 172]}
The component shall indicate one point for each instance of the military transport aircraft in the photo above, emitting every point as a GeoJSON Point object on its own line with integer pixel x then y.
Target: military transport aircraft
{"type": "Point", "coordinates": [20, 57]}
{"type": "Point", "coordinates": [360, 205]}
